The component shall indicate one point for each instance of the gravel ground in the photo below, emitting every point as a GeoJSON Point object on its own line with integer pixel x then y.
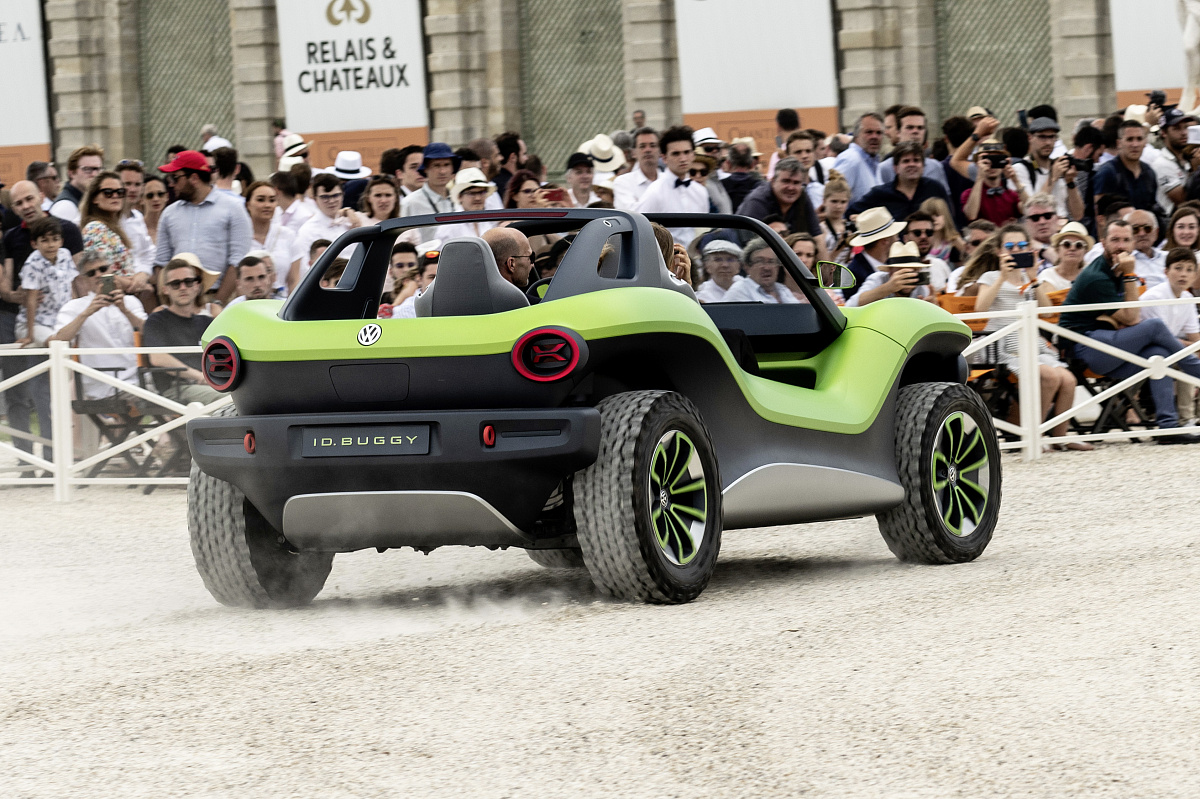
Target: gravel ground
{"type": "Point", "coordinates": [1062, 663]}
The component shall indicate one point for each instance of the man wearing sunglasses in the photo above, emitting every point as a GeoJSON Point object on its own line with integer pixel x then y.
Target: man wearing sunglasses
{"type": "Point", "coordinates": [101, 320]}
{"type": "Point", "coordinates": [180, 324]}
{"type": "Point", "coordinates": [1041, 223]}
{"type": "Point", "coordinates": [1150, 263]}
{"type": "Point", "coordinates": [920, 232]}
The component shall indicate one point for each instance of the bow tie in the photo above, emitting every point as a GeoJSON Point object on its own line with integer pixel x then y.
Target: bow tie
{"type": "Point", "coordinates": [681, 182]}
{"type": "Point", "coordinates": [996, 191]}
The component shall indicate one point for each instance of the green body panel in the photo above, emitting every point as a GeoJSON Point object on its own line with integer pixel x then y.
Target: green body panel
{"type": "Point", "coordinates": [853, 374]}
{"type": "Point", "coordinates": [906, 321]}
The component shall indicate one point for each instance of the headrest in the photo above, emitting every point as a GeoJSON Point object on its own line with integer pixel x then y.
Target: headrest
{"type": "Point", "coordinates": [468, 283]}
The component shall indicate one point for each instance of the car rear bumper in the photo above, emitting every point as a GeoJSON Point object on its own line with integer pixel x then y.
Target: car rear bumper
{"type": "Point", "coordinates": [463, 490]}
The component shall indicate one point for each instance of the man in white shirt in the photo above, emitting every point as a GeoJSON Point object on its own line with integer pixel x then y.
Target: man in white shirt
{"type": "Point", "coordinates": [330, 221]}
{"type": "Point", "coordinates": [762, 266]}
{"type": "Point", "coordinates": [1172, 167]}
{"type": "Point", "coordinates": [1055, 177]}
{"type": "Point", "coordinates": [674, 191]}
{"type": "Point", "coordinates": [439, 166]}
{"type": "Point", "coordinates": [898, 277]}
{"type": "Point", "coordinates": [101, 320]}
{"type": "Point", "coordinates": [290, 210]}
{"type": "Point", "coordinates": [210, 140]}
{"type": "Point", "coordinates": [722, 263]}
{"type": "Point", "coordinates": [1151, 262]}
{"type": "Point", "coordinates": [629, 188]}
{"type": "Point", "coordinates": [133, 176]}
{"type": "Point", "coordinates": [580, 173]}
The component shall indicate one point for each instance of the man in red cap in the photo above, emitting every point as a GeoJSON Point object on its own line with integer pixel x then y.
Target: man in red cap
{"type": "Point", "coordinates": [212, 224]}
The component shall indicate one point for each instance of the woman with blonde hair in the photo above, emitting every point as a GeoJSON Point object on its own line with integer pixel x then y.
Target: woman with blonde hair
{"type": "Point", "coordinates": [832, 214]}
{"type": "Point", "coordinates": [946, 238]}
{"type": "Point", "coordinates": [994, 277]}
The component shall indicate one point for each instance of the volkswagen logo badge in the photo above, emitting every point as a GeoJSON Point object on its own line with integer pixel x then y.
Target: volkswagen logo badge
{"type": "Point", "coordinates": [369, 334]}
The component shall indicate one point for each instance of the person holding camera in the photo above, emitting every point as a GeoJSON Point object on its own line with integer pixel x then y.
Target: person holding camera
{"type": "Point", "coordinates": [990, 198]}
{"type": "Point", "coordinates": [904, 274]}
{"type": "Point", "coordinates": [1000, 275]}
{"type": "Point", "coordinates": [1055, 177]}
{"type": "Point", "coordinates": [1176, 160]}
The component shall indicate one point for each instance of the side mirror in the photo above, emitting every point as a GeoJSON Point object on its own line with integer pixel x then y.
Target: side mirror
{"type": "Point", "coordinates": [834, 276]}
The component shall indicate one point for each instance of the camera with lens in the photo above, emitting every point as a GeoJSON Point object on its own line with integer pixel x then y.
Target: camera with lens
{"type": "Point", "coordinates": [1157, 99]}
{"type": "Point", "coordinates": [1081, 164]}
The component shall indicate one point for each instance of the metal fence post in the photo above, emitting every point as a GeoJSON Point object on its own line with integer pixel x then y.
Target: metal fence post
{"type": "Point", "coordinates": [1029, 386]}
{"type": "Point", "coordinates": [62, 421]}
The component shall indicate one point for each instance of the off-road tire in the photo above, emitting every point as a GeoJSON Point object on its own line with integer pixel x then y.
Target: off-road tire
{"type": "Point", "coordinates": [240, 557]}
{"type": "Point", "coordinates": [557, 558]}
{"type": "Point", "coordinates": [615, 520]}
{"type": "Point", "coordinates": [928, 527]}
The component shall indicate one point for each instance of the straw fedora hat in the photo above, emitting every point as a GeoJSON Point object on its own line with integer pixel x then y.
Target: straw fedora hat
{"type": "Point", "coordinates": [904, 253]}
{"type": "Point", "coordinates": [1073, 229]}
{"type": "Point", "coordinates": [606, 156]}
{"type": "Point", "coordinates": [874, 224]}
{"type": "Point", "coordinates": [207, 277]}
{"type": "Point", "coordinates": [470, 178]}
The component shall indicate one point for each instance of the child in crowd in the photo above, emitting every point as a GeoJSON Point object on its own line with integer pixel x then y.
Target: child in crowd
{"type": "Point", "coordinates": [1181, 319]}
{"type": "Point", "coordinates": [46, 277]}
{"type": "Point", "coordinates": [833, 223]}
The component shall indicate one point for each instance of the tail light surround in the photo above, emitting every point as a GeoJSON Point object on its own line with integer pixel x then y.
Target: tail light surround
{"type": "Point", "coordinates": [548, 354]}
{"type": "Point", "coordinates": [222, 364]}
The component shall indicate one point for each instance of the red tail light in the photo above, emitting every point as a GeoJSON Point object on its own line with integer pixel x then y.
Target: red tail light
{"type": "Point", "coordinates": [548, 354]}
{"type": "Point", "coordinates": [222, 364]}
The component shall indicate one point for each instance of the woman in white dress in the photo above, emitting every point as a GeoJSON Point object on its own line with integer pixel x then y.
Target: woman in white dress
{"type": "Point", "coordinates": [996, 280]}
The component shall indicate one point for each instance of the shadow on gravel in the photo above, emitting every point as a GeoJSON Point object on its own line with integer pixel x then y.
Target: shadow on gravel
{"type": "Point", "coordinates": [541, 587]}
{"type": "Point", "coordinates": [742, 571]}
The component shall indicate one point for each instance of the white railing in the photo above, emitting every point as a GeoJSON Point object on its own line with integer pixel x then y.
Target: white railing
{"type": "Point", "coordinates": [1028, 324]}
{"type": "Point", "coordinates": [64, 472]}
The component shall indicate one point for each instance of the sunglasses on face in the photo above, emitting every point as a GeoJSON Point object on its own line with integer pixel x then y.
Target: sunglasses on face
{"type": "Point", "coordinates": [154, 195]}
{"type": "Point", "coordinates": [712, 148]}
{"type": "Point", "coordinates": [975, 242]}
{"type": "Point", "coordinates": [183, 281]}
{"type": "Point", "coordinates": [99, 270]}
{"type": "Point", "coordinates": [110, 193]}
{"type": "Point", "coordinates": [1072, 245]}
{"type": "Point", "coordinates": [1016, 245]}
{"type": "Point", "coordinates": [921, 234]}
{"type": "Point", "coordinates": [1142, 228]}
{"type": "Point", "coordinates": [698, 173]}
{"type": "Point", "coordinates": [1041, 217]}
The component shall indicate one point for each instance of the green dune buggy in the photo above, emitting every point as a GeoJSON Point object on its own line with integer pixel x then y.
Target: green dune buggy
{"type": "Point", "coordinates": [602, 420]}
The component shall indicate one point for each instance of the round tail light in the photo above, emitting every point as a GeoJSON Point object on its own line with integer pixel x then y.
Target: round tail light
{"type": "Point", "coordinates": [548, 354]}
{"type": "Point", "coordinates": [222, 364]}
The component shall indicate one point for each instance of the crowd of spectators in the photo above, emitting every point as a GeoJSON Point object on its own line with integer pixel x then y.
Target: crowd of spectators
{"type": "Point", "coordinates": [1098, 212]}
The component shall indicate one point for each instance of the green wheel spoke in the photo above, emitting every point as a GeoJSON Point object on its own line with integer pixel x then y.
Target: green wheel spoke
{"type": "Point", "coordinates": [678, 497]}
{"type": "Point", "coordinates": [690, 511]}
{"type": "Point", "coordinates": [695, 485]}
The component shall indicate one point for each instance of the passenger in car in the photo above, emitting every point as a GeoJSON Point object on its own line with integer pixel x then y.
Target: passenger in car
{"type": "Point", "coordinates": [762, 266]}
{"type": "Point", "coordinates": [723, 265]}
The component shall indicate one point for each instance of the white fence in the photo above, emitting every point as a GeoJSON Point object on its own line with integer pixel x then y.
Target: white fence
{"type": "Point", "coordinates": [64, 472]}
{"type": "Point", "coordinates": [1027, 323]}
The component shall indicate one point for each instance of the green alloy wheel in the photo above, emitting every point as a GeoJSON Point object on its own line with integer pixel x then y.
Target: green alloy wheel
{"type": "Point", "coordinates": [948, 459]}
{"type": "Point", "coordinates": [648, 511]}
{"type": "Point", "coordinates": [961, 478]}
{"type": "Point", "coordinates": [678, 497]}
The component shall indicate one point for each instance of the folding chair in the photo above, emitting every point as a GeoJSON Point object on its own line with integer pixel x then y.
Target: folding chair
{"type": "Point", "coordinates": [179, 462]}
{"type": "Point", "coordinates": [990, 378]}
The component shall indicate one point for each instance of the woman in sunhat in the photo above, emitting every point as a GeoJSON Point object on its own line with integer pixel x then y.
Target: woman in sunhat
{"type": "Point", "coordinates": [470, 191]}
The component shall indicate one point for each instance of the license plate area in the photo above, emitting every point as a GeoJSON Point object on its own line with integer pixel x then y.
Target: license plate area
{"type": "Point", "coordinates": [342, 441]}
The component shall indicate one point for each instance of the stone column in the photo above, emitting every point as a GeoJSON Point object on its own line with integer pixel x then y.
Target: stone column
{"type": "Point", "coordinates": [1082, 58]}
{"type": "Point", "coordinates": [458, 77]}
{"type": "Point", "coordinates": [78, 79]}
{"type": "Point", "coordinates": [918, 60]}
{"type": "Point", "coordinates": [124, 105]}
{"type": "Point", "coordinates": [872, 72]}
{"type": "Point", "coordinates": [257, 87]}
{"type": "Point", "coordinates": [651, 62]}
{"type": "Point", "coordinates": [502, 49]}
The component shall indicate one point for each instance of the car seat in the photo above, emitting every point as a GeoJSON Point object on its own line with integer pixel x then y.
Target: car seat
{"type": "Point", "coordinates": [469, 283]}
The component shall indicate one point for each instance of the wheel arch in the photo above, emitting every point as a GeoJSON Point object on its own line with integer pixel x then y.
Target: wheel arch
{"type": "Point", "coordinates": [935, 358]}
